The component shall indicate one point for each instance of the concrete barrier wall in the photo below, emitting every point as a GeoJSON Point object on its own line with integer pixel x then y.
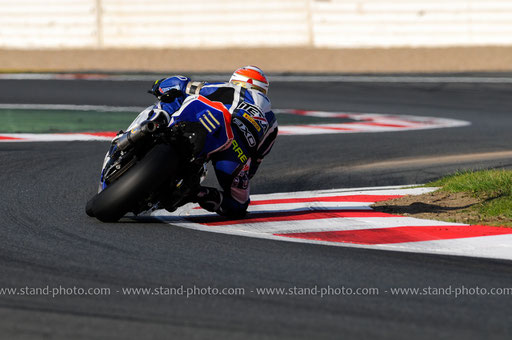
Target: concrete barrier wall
{"type": "Point", "coordinates": [264, 23]}
{"type": "Point", "coordinates": [48, 23]}
{"type": "Point", "coordinates": [205, 23]}
{"type": "Point", "coordinates": [380, 23]}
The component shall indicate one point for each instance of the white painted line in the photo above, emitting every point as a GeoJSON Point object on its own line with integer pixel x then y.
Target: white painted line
{"type": "Point", "coordinates": [71, 107]}
{"type": "Point", "coordinates": [487, 246]}
{"type": "Point", "coordinates": [311, 206]}
{"type": "Point", "coordinates": [331, 224]}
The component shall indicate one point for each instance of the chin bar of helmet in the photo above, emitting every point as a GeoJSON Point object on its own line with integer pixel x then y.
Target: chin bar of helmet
{"type": "Point", "coordinates": [145, 128]}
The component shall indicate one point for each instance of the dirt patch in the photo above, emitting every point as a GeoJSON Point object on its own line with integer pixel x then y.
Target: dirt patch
{"type": "Point", "coordinates": [293, 59]}
{"type": "Point", "coordinates": [438, 205]}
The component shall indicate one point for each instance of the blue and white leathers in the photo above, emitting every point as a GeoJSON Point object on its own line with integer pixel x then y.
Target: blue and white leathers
{"type": "Point", "coordinates": [215, 119]}
{"type": "Point", "coordinates": [248, 125]}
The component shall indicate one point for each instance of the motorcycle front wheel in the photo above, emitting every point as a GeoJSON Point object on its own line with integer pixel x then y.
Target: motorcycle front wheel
{"type": "Point", "coordinates": [157, 167]}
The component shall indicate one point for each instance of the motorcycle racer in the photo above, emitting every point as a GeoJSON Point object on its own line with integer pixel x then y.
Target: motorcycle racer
{"type": "Point", "coordinates": [249, 121]}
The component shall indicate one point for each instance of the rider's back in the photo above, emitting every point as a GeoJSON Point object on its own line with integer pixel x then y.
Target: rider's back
{"type": "Point", "coordinates": [251, 114]}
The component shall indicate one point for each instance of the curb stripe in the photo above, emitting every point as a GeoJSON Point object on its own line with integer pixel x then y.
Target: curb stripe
{"type": "Point", "coordinates": [317, 127]}
{"type": "Point", "coordinates": [9, 138]}
{"type": "Point", "coordinates": [346, 198]}
{"type": "Point", "coordinates": [383, 125]}
{"type": "Point", "coordinates": [401, 234]}
{"type": "Point", "coordinates": [300, 215]}
{"type": "Point", "coordinates": [100, 134]}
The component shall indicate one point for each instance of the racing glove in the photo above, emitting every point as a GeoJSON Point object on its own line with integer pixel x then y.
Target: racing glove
{"type": "Point", "coordinates": [168, 89]}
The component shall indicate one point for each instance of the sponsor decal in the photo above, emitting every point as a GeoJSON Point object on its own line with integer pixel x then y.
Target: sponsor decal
{"type": "Point", "coordinates": [238, 150]}
{"type": "Point", "coordinates": [211, 123]}
{"type": "Point", "coordinates": [251, 141]}
{"type": "Point", "coordinates": [255, 113]}
{"type": "Point", "coordinates": [252, 109]}
{"type": "Point", "coordinates": [252, 121]}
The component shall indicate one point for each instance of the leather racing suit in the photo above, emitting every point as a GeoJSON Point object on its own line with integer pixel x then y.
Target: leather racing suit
{"type": "Point", "coordinates": [254, 127]}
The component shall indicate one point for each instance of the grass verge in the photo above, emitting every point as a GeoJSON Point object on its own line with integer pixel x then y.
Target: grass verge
{"type": "Point", "coordinates": [58, 121]}
{"type": "Point", "coordinates": [492, 188]}
{"type": "Point", "coordinates": [471, 197]}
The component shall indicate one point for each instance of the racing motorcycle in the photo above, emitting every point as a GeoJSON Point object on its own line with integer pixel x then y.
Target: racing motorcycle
{"type": "Point", "coordinates": [160, 161]}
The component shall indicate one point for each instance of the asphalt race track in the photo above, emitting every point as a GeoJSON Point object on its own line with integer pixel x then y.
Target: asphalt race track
{"type": "Point", "coordinates": [48, 241]}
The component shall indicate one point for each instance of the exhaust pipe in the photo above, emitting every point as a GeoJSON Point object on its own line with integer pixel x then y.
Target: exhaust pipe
{"type": "Point", "coordinates": [145, 128]}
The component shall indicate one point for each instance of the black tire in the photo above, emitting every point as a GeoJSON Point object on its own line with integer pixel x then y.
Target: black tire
{"type": "Point", "coordinates": [88, 207]}
{"type": "Point", "coordinates": [145, 177]}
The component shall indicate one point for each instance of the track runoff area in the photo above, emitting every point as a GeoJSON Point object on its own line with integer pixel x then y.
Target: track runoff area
{"type": "Point", "coordinates": [341, 217]}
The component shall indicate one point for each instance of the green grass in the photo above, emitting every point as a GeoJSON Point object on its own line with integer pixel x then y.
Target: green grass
{"type": "Point", "coordinates": [488, 183]}
{"type": "Point", "coordinates": [52, 121]}
{"type": "Point", "coordinates": [492, 187]}
{"type": "Point", "coordinates": [55, 121]}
